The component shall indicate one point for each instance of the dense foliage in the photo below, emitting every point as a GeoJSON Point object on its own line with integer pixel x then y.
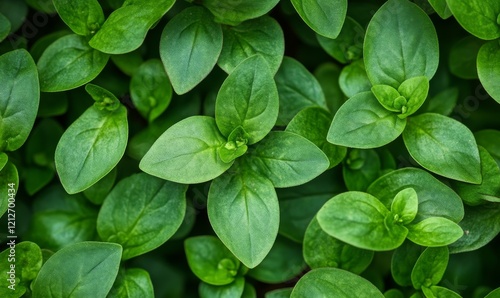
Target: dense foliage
{"type": "Point", "coordinates": [232, 148]}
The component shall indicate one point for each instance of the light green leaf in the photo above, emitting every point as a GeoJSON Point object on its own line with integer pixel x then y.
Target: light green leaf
{"type": "Point", "coordinates": [389, 97]}
{"type": "Point", "coordinates": [434, 231]}
{"type": "Point", "coordinates": [84, 17]}
{"type": "Point", "coordinates": [415, 92]}
{"type": "Point", "coordinates": [91, 147]}
{"type": "Point", "coordinates": [19, 98]}
{"type": "Point", "coordinates": [361, 220]}
{"type": "Point", "coordinates": [125, 29]}
{"type": "Point", "coordinates": [187, 152]}
{"type": "Point", "coordinates": [68, 63]}
{"type": "Point", "coordinates": [441, 7]}
{"type": "Point", "coordinates": [154, 207]}
{"type": "Point", "coordinates": [323, 250]}
{"type": "Point", "coordinates": [348, 45]}
{"type": "Point", "coordinates": [150, 89]}
{"type": "Point", "coordinates": [362, 122]}
{"type": "Point", "coordinates": [444, 146]}
{"type": "Point", "coordinates": [262, 36]}
{"type": "Point", "coordinates": [400, 43]}
{"type": "Point", "coordinates": [232, 12]}
{"type": "Point", "coordinates": [463, 57]}
{"type": "Point", "coordinates": [430, 267]}
{"type": "Point", "coordinates": [81, 270]}
{"type": "Point", "coordinates": [405, 205]}
{"type": "Point", "coordinates": [242, 198]}
{"type": "Point", "coordinates": [248, 98]}
{"type": "Point", "coordinates": [190, 46]}
{"type": "Point", "coordinates": [234, 289]}
{"type": "Point", "coordinates": [478, 17]}
{"type": "Point", "coordinates": [437, 291]}
{"type": "Point", "coordinates": [210, 260]}
{"type": "Point", "coordinates": [131, 283]}
{"type": "Point", "coordinates": [488, 69]}
{"type": "Point", "coordinates": [353, 79]}
{"type": "Point", "coordinates": [332, 282]}
{"type": "Point", "coordinates": [297, 89]}
{"type": "Point", "coordinates": [287, 159]}
{"type": "Point", "coordinates": [323, 16]}
{"type": "Point", "coordinates": [313, 124]}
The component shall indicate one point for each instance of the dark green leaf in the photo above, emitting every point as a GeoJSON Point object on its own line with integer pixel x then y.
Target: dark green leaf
{"type": "Point", "coordinates": [154, 211]}
{"type": "Point", "coordinates": [494, 294]}
{"type": "Point", "coordinates": [479, 17]}
{"type": "Point", "coordinates": [131, 283]}
{"type": "Point", "coordinates": [434, 231]}
{"type": "Point", "coordinates": [463, 57]}
{"type": "Point", "coordinates": [234, 289]}
{"type": "Point", "coordinates": [80, 270]}
{"type": "Point", "coordinates": [190, 47]}
{"type": "Point", "coordinates": [361, 168]}
{"type": "Point", "coordinates": [4, 158]}
{"type": "Point", "coordinates": [353, 79]}
{"type": "Point", "coordinates": [488, 60]}
{"type": "Point", "coordinates": [441, 7]}
{"type": "Point", "coordinates": [19, 98]}
{"type": "Point", "coordinates": [327, 75]}
{"type": "Point", "coordinates": [98, 192]}
{"type": "Point", "coordinates": [323, 16]}
{"type": "Point", "coordinates": [280, 293]}
{"type": "Point", "coordinates": [430, 267]}
{"type": "Point", "coordinates": [84, 17]}
{"type": "Point", "coordinates": [4, 27]}
{"type": "Point", "coordinates": [348, 45]}
{"type": "Point", "coordinates": [15, 11]}
{"type": "Point", "coordinates": [444, 102]}
{"type": "Point", "coordinates": [490, 140]}
{"type": "Point", "coordinates": [232, 12]}
{"type": "Point", "coordinates": [36, 177]}
{"type": "Point", "coordinates": [444, 146]}
{"type": "Point", "coordinates": [9, 175]}
{"type": "Point", "coordinates": [402, 262]}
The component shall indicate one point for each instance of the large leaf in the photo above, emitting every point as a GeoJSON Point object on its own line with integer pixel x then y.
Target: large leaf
{"type": "Point", "coordinates": [325, 17]}
{"type": "Point", "coordinates": [84, 17]}
{"type": "Point", "coordinates": [287, 159]}
{"type": "Point", "coordinates": [68, 63]}
{"type": "Point", "coordinates": [85, 269]}
{"type": "Point", "coordinates": [187, 152]}
{"type": "Point", "coordinates": [91, 147]}
{"type": "Point", "coordinates": [154, 211]}
{"type": "Point", "coordinates": [246, 200]}
{"type": "Point", "coordinates": [479, 17]}
{"type": "Point", "coordinates": [190, 47]}
{"type": "Point", "coordinates": [248, 98]}
{"type": "Point", "coordinates": [232, 12]}
{"type": "Point", "coordinates": [488, 69]}
{"type": "Point", "coordinates": [19, 98]}
{"type": "Point", "coordinates": [444, 146]}
{"type": "Point", "coordinates": [361, 122]}
{"type": "Point", "coordinates": [400, 43]}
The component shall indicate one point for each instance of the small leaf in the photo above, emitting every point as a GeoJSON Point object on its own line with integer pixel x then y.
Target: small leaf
{"type": "Point", "coordinates": [287, 159]}
{"type": "Point", "coordinates": [444, 146]}
{"type": "Point", "coordinates": [248, 201]}
{"type": "Point", "coordinates": [437, 291]}
{"type": "Point", "coordinates": [405, 205]}
{"type": "Point", "coordinates": [353, 79]}
{"type": "Point", "coordinates": [234, 289]}
{"type": "Point", "coordinates": [147, 201]}
{"type": "Point", "coordinates": [361, 168]}
{"type": "Point", "coordinates": [130, 283]}
{"type": "Point", "coordinates": [324, 17]}
{"type": "Point", "coordinates": [84, 17]}
{"type": "Point", "coordinates": [248, 98]}
{"type": "Point", "coordinates": [359, 219]}
{"type": "Point", "coordinates": [69, 63]}
{"type": "Point", "coordinates": [488, 68]}
{"type": "Point", "coordinates": [402, 262]}
{"type": "Point", "coordinates": [210, 260]}
{"type": "Point", "coordinates": [327, 75]}
{"type": "Point", "coordinates": [82, 269]}
{"type": "Point", "coordinates": [444, 102]}
{"type": "Point", "coordinates": [232, 12]}
{"type": "Point", "coordinates": [415, 91]}
{"type": "Point", "coordinates": [442, 8]}
{"type": "Point", "coordinates": [478, 17]}
{"type": "Point", "coordinates": [389, 97]}
{"type": "Point", "coordinates": [187, 152]}
{"type": "Point", "coordinates": [190, 46]}
{"type": "Point", "coordinates": [4, 27]}
{"type": "Point", "coordinates": [363, 123]}
{"type": "Point", "coordinates": [434, 231]}
{"type": "Point", "coordinates": [490, 140]}
{"type": "Point", "coordinates": [463, 57]}
{"type": "Point", "coordinates": [430, 267]}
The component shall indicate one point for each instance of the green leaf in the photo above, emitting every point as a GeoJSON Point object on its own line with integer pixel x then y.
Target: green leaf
{"type": "Point", "coordinates": [187, 152]}
{"type": "Point", "coordinates": [125, 29]}
{"type": "Point", "coordinates": [359, 219]}
{"type": "Point", "coordinates": [80, 270]}
{"type": "Point", "coordinates": [435, 199]}
{"type": "Point", "coordinates": [332, 282]}
{"type": "Point", "coordinates": [91, 147]}
{"type": "Point", "coordinates": [4, 27]}
{"type": "Point", "coordinates": [444, 102]}
{"type": "Point", "coordinates": [69, 63]}
{"type": "Point", "coordinates": [129, 62]}
{"type": "Point", "coordinates": [279, 293]}
{"type": "Point", "coordinates": [493, 294]}
{"type": "Point", "coordinates": [232, 13]}
{"type": "Point", "coordinates": [130, 283]}
{"type": "Point", "coordinates": [84, 17]}
{"type": "Point", "coordinates": [150, 89]}
{"type": "Point", "coordinates": [283, 262]}
{"type": "Point", "coordinates": [4, 158]}
{"type": "Point", "coordinates": [327, 75]}
{"type": "Point", "coordinates": [15, 11]}
{"type": "Point", "coordinates": [394, 293]}
{"type": "Point", "coordinates": [361, 168]}
{"type": "Point", "coordinates": [437, 291]}
{"type": "Point", "coordinates": [323, 250]}
{"type": "Point", "coordinates": [400, 43]}
{"type": "Point", "coordinates": [414, 91]}
{"type": "Point", "coordinates": [19, 98]}
{"type": "Point", "coordinates": [362, 122]}
{"type": "Point", "coordinates": [190, 46]}
{"type": "Point", "coordinates": [389, 97]}
{"type": "Point", "coordinates": [42, 143]}
{"type": "Point", "coordinates": [490, 140]}
{"type": "Point", "coordinates": [405, 205]}
{"type": "Point", "coordinates": [104, 99]}
{"type": "Point", "coordinates": [441, 7]}
{"type": "Point", "coordinates": [324, 17]}
{"type": "Point", "coordinates": [444, 146]}
{"type": "Point", "coordinates": [297, 89]}
{"type": "Point", "coordinates": [463, 57]}
{"type": "Point", "coordinates": [249, 291]}
{"type": "Point", "coordinates": [490, 186]}
{"type": "Point", "coordinates": [236, 145]}
{"type": "Point", "coordinates": [287, 159]}
{"type": "Point", "coordinates": [488, 70]}
{"type": "Point", "coordinates": [402, 262]}
{"type": "Point", "coordinates": [98, 192]}
{"type": "Point", "coordinates": [430, 267]}
{"type": "Point", "coordinates": [434, 231]}
{"type": "Point", "coordinates": [210, 260]}
{"type": "Point", "coordinates": [478, 17]}
{"type": "Point", "coordinates": [262, 36]}
{"type": "Point", "coordinates": [313, 124]}
{"type": "Point", "coordinates": [234, 289]}
{"type": "Point", "coordinates": [154, 207]}
{"type": "Point", "coordinates": [21, 263]}
{"type": "Point", "coordinates": [353, 79]}
{"type": "Point", "coordinates": [348, 45]}
{"type": "Point", "coordinates": [242, 198]}
{"type": "Point", "coordinates": [248, 98]}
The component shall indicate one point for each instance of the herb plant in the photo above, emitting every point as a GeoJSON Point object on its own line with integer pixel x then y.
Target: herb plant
{"type": "Point", "coordinates": [265, 148]}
